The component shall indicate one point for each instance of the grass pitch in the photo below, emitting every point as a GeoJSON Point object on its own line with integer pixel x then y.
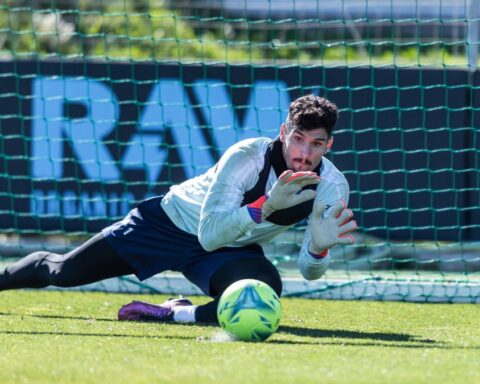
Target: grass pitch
{"type": "Point", "coordinates": [74, 337]}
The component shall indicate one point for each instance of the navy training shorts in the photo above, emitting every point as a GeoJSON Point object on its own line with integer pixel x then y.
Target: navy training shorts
{"type": "Point", "coordinates": [151, 243]}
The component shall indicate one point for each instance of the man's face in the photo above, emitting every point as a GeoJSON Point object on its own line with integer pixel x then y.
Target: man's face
{"type": "Point", "coordinates": [303, 150]}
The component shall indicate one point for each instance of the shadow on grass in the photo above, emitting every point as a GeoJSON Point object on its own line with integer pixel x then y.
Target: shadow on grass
{"type": "Point", "coordinates": [61, 333]}
{"type": "Point", "coordinates": [412, 344]}
{"type": "Point", "coordinates": [58, 317]}
{"type": "Point", "coordinates": [92, 318]}
{"type": "Point", "coordinates": [357, 338]}
{"type": "Point", "coordinates": [364, 339]}
{"type": "Point", "coordinates": [344, 334]}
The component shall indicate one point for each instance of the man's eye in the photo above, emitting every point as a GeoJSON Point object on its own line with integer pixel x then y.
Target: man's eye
{"type": "Point", "coordinates": [298, 138]}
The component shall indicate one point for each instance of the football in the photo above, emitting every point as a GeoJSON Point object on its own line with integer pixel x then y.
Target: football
{"type": "Point", "coordinates": [249, 310]}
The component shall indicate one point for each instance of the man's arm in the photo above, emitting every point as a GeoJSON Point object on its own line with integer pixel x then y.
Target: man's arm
{"type": "Point", "coordinates": [323, 233]}
{"type": "Point", "coordinates": [223, 221]}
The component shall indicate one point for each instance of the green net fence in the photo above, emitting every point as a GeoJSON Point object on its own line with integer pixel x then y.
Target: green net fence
{"type": "Point", "coordinates": [106, 103]}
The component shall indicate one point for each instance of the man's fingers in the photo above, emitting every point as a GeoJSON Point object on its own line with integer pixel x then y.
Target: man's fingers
{"type": "Point", "coordinates": [345, 216]}
{"type": "Point", "coordinates": [308, 181]}
{"type": "Point", "coordinates": [318, 209]}
{"type": "Point", "coordinates": [306, 195]}
{"type": "Point", "coordinates": [346, 240]}
{"type": "Point", "coordinates": [299, 176]}
{"type": "Point", "coordinates": [337, 209]}
{"type": "Point", "coordinates": [349, 227]}
{"type": "Point", "coordinates": [285, 175]}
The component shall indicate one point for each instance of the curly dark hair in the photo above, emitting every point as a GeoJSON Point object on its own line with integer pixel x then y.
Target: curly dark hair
{"type": "Point", "coordinates": [312, 112]}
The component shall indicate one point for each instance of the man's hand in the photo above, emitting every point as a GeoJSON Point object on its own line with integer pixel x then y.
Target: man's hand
{"type": "Point", "coordinates": [333, 230]}
{"type": "Point", "coordinates": [286, 192]}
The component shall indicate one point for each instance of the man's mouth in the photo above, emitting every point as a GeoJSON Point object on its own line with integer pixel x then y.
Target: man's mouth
{"type": "Point", "coordinates": [303, 162]}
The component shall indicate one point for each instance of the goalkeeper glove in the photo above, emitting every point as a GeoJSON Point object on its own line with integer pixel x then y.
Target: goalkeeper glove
{"type": "Point", "coordinates": [285, 193]}
{"type": "Point", "coordinates": [333, 230]}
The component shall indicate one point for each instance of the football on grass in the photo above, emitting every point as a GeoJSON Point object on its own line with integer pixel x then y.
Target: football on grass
{"type": "Point", "coordinates": [249, 310]}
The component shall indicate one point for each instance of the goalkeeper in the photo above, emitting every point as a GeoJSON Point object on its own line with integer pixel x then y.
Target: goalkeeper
{"type": "Point", "coordinates": [210, 227]}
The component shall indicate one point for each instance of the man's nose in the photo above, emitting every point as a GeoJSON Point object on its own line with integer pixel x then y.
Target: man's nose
{"type": "Point", "coordinates": [305, 149]}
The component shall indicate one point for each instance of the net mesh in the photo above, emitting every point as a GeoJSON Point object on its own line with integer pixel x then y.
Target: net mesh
{"type": "Point", "coordinates": [107, 103]}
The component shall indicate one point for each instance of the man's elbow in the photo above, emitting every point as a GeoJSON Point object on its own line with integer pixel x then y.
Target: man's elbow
{"type": "Point", "coordinates": [207, 244]}
{"type": "Point", "coordinates": [311, 276]}
{"type": "Point", "coordinates": [312, 273]}
{"type": "Point", "coordinates": [206, 241]}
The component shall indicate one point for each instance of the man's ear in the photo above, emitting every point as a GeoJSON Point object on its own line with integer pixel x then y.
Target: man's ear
{"type": "Point", "coordinates": [283, 132]}
{"type": "Point", "coordinates": [329, 145]}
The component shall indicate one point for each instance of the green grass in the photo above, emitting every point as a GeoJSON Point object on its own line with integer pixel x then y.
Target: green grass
{"type": "Point", "coordinates": [73, 337]}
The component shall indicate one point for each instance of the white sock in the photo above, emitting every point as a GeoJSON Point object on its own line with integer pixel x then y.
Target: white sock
{"type": "Point", "coordinates": [184, 314]}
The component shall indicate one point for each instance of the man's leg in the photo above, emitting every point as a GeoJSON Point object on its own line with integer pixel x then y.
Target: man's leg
{"type": "Point", "coordinates": [93, 261]}
{"type": "Point", "coordinates": [183, 311]}
{"type": "Point", "coordinates": [235, 270]}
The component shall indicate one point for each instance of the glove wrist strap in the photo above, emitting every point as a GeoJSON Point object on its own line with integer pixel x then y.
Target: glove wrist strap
{"type": "Point", "coordinates": [318, 255]}
{"type": "Point", "coordinates": [255, 209]}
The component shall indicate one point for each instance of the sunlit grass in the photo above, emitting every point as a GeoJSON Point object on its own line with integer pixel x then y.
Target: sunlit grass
{"type": "Point", "coordinates": [73, 337]}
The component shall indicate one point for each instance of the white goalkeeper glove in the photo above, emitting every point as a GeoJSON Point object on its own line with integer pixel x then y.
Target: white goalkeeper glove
{"type": "Point", "coordinates": [286, 192]}
{"type": "Point", "coordinates": [333, 230]}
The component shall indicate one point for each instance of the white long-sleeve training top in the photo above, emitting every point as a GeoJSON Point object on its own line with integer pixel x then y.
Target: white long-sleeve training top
{"type": "Point", "coordinates": [208, 206]}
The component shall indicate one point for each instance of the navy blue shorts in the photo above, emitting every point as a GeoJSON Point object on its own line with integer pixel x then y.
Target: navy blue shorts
{"type": "Point", "coordinates": [151, 243]}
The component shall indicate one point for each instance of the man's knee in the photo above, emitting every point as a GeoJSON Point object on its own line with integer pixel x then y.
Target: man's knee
{"type": "Point", "coordinates": [55, 271]}
{"type": "Point", "coordinates": [273, 280]}
{"type": "Point", "coordinates": [30, 272]}
{"type": "Point", "coordinates": [258, 269]}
